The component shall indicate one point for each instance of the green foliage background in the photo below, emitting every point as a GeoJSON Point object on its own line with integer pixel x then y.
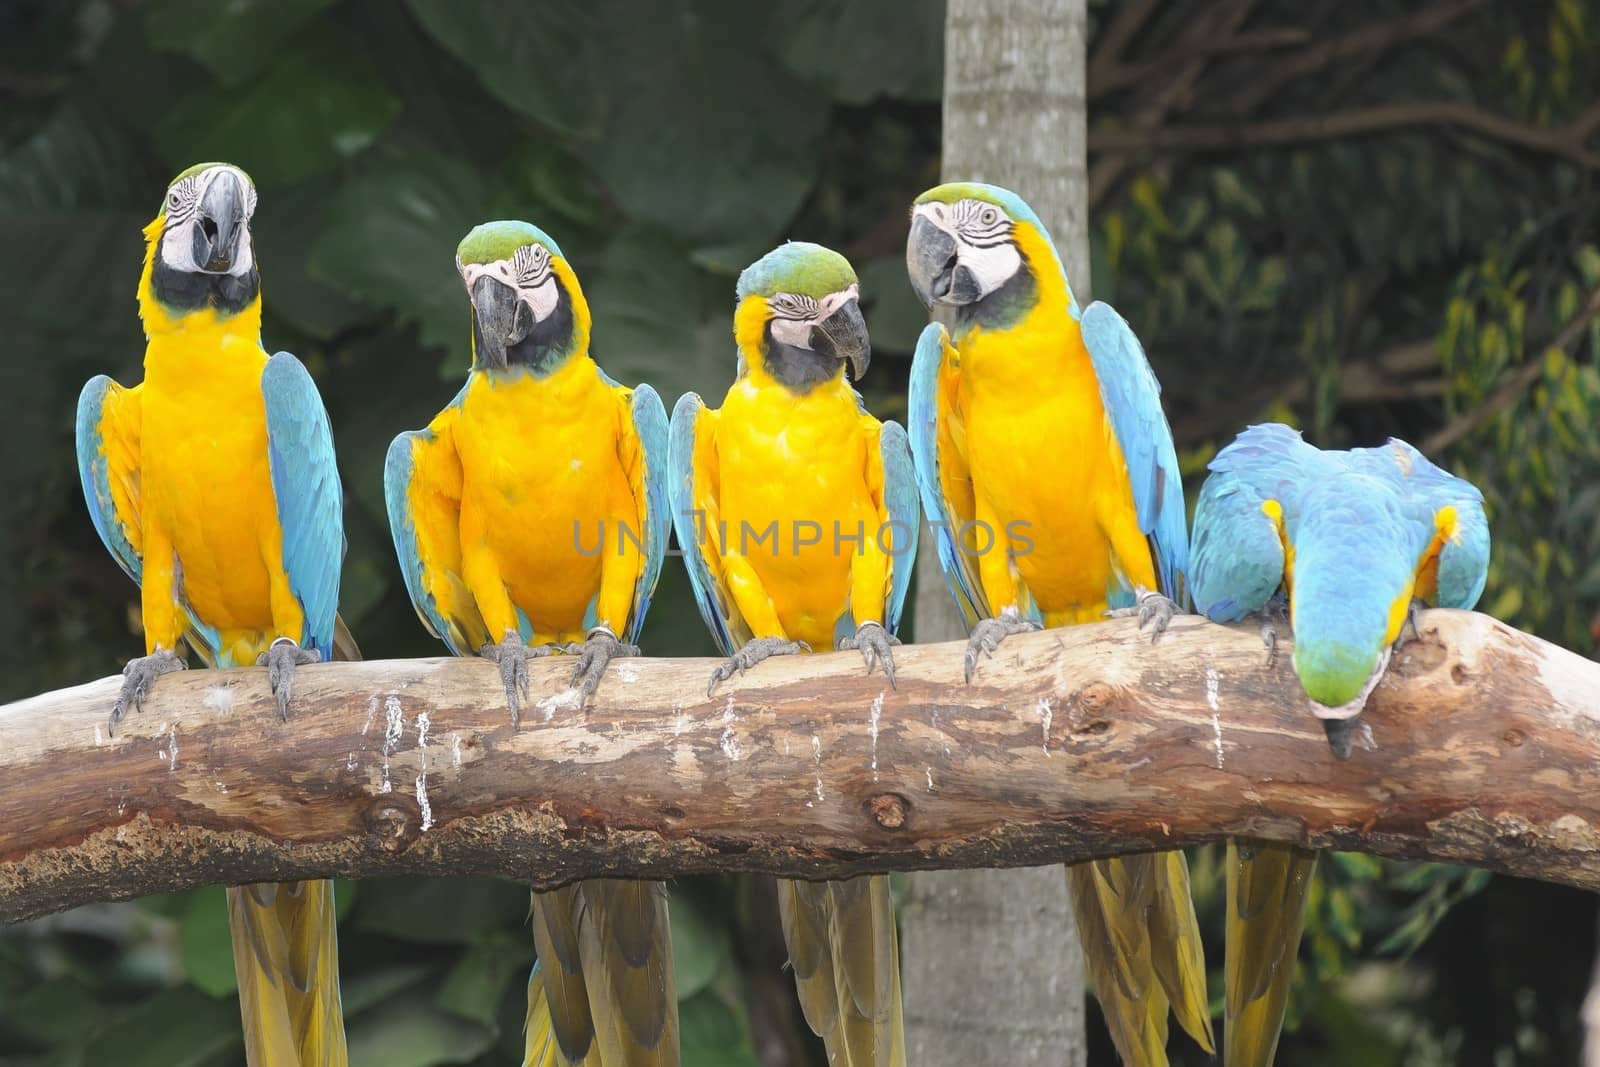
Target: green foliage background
{"type": "Point", "coordinates": [1417, 279]}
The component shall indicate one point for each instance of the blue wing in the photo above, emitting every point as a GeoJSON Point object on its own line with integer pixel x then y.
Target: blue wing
{"type": "Point", "coordinates": [1237, 552]}
{"type": "Point", "coordinates": [905, 517]}
{"type": "Point", "coordinates": [1464, 558]}
{"type": "Point", "coordinates": [933, 466]}
{"type": "Point", "coordinates": [97, 468]}
{"type": "Point", "coordinates": [1132, 399]}
{"type": "Point", "coordinates": [694, 520]}
{"type": "Point", "coordinates": [650, 423]}
{"type": "Point", "coordinates": [305, 484]}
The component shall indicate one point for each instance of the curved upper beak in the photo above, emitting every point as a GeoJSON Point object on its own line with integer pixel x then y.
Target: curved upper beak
{"type": "Point", "coordinates": [930, 260]}
{"type": "Point", "coordinates": [494, 319]}
{"type": "Point", "coordinates": [221, 221]}
{"type": "Point", "coordinates": [843, 335]}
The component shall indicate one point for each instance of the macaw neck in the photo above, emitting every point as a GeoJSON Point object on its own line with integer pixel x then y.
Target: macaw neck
{"type": "Point", "coordinates": [573, 371]}
{"type": "Point", "coordinates": [799, 370]}
{"type": "Point", "coordinates": [757, 377]}
{"type": "Point", "coordinates": [1003, 308]}
{"type": "Point", "coordinates": [207, 308]}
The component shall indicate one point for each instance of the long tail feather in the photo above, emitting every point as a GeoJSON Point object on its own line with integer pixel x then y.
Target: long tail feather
{"type": "Point", "coordinates": [845, 953]}
{"type": "Point", "coordinates": [1267, 887]}
{"type": "Point", "coordinates": [1141, 942]}
{"type": "Point", "coordinates": [286, 958]}
{"type": "Point", "coordinates": [605, 953]}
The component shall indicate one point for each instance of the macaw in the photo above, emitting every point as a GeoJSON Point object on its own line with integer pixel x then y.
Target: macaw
{"type": "Point", "coordinates": [1352, 540]}
{"type": "Point", "coordinates": [1048, 474]}
{"type": "Point", "coordinates": [797, 515]}
{"type": "Point", "coordinates": [213, 485]}
{"type": "Point", "coordinates": [530, 517]}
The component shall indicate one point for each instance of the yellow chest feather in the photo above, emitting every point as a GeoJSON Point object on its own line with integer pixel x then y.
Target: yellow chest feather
{"type": "Point", "coordinates": [795, 497]}
{"type": "Point", "coordinates": [1042, 453]}
{"type": "Point", "coordinates": [205, 474]}
{"type": "Point", "coordinates": [543, 487]}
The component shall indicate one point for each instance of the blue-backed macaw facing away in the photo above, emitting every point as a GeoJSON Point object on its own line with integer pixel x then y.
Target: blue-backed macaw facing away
{"type": "Point", "coordinates": [797, 515]}
{"type": "Point", "coordinates": [1351, 539]}
{"type": "Point", "coordinates": [1048, 474]}
{"type": "Point", "coordinates": [530, 516]}
{"type": "Point", "coordinates": [214, 486]}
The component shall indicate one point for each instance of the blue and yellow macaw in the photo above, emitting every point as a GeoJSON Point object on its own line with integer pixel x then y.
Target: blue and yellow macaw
{"type": "Point", "coordinates": [213, 484]}
{"type": "Point", "coordinates": [1048, 473]}
{"type": "Point", "coordinates": [1352, 540]}
{"type": "Point", "coordinates": [797, 515]}
{"type": "Point", "coordinates": [530, 517]}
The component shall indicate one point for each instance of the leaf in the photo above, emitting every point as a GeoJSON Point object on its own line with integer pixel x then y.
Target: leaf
{"type": "Point", "coordinates": [857, 51]}
{"type": "Point", "coordinates": [440, 911]}
{"type": "Point", "coordinates": [391, 240]}
{"type": "Point", "coordinates": [894, 315]}
{"type": "Point", "coordinates": [71, 161]}
{"type": "Point", "coordinates": [655, 318]}
{"type": "Point", "coordinates": [712, 1034]}
{"type": "Point", "coordinates": [207, 943]}
{"type": "Point", "coordinates": [742, 166]}
{"type": "Point", "coordinates": [700, 947]}
{"type": "Point", "coordinates": [313, 107]}
{"type": "Point", "coordinates": [52, 1012]}
{"type": "Point", "coordinates": [530, 56]}
{"type": "Point", "coordinates": [175, 1028]}
{"type": "Point", "coordinates": [408, 1031]}
{"type": "Point", "coordinates": [479, 980]}
{"type": "Point", "coordinates": [233, 47]}
{"type": "Point", "coordinates": [366, 991]}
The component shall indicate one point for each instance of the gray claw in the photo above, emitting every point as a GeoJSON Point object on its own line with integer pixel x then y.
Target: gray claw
{"type": "Point", "coordinates": [1155, 611]}
{"type": "Point", "coordinates": [512, 655]}
{"type": "Point", "coordinates": [281, 658]}
{"type": "Point", "coordinates": [874, 643]}
{"type": "Point", "coordinates": [752, 653]}
{"type": "Point", "coordinates": [1274, 613]}
{"type": "Point", "coordinates": [1413, 612]}
{"type": "Point", "coordinates": [987, 635]}
{"type": "Point", "coordinates": [137, 678]}
{"type": "Point", "coordinates": [594, 655]}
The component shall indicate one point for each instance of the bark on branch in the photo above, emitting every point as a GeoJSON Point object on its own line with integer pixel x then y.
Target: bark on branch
{"type": "Point", "coordinates": [1070, 744]}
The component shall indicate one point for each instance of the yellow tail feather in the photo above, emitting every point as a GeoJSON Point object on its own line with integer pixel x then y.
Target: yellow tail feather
{"type": "Point", "coordinates": [1141, 942]}
{"type": "Point", "coordinates": [285, 954]}
{"type": "Point", "coordinates": [1267, 887]}
{"type": "Point", "coordinates": [846, 959]}
{"type": "Point", "coordinates": [606, 981]}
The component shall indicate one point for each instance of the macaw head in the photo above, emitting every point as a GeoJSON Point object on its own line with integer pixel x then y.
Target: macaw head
{"type": "Point", "coordinates": [799, 316]}
{"type": "Point", "coordinates": [1355, 552]}
{"type": "Point", "coordinates": [200, 253]}
{"type": "Point", "coordinates": [981, 251]}
{"type": "Point", "coordinates": [527, 309]}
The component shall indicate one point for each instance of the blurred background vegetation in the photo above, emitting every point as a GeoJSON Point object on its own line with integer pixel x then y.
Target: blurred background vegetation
{"type": "Point", "coordinates": [1365, 217]}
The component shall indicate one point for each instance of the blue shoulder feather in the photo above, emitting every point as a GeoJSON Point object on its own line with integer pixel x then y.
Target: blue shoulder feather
{"type": "Point", "coordinates": [94, 472]}
{"type": "Point", "coordinates": [650, 423]}
{"type": "Point", "coordinates": [905, 517]}
{"type": "Point", "coordinates": [1132, 399]}
{"type": "Point", "coordinates": [923, 432]}
{"type": "Point", "coordinates": [305, 484]}
{"type": "Point", "coordinates": [716, 605]}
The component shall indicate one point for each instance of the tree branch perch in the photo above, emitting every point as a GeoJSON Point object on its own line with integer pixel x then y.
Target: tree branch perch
{"type": "Point", "coordinates": [1070, 744]}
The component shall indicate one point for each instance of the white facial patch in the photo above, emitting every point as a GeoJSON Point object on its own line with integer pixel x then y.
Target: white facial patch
{"type": "Point", "coordinates": [793, 314]}
{"type": "Point", "coordinates": [184, 199]}
{"type": "Point", "coordinates": [528, 271]}
{"type": "Point", "coordinates": [982, 234]}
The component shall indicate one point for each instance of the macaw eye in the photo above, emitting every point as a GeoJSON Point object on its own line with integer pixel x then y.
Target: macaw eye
{"type": "Point", "coordinates": [174, 199]}
{"type": "Point", "coordinates": [989, 216]}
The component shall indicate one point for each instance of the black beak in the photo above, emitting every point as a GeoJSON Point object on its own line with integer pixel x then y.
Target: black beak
{"type": "Point", "coordinates": [843, 336]}
{"type": "Point", "coordinates": [499, 320]}
{"type": "Point", "coordinates": [220, 223]}
{"type": "Point", "coordinates": [930, 261]}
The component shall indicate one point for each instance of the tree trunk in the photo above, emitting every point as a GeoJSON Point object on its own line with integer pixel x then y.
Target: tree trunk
{"type": "Point", "coordinates": [992, 969]}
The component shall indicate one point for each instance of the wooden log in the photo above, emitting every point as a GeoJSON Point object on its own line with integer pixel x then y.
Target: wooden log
{"type": "Point", "coordinates": [1070, 744]}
